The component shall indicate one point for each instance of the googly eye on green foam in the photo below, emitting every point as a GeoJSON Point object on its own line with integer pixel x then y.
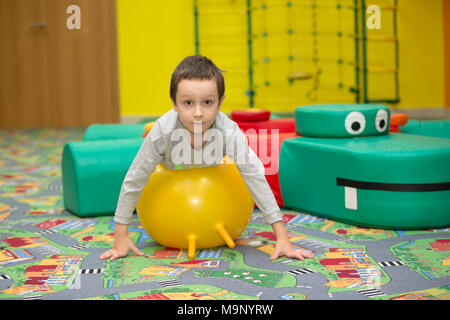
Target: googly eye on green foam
{"type": "Point", "coordinates": [342, 120]}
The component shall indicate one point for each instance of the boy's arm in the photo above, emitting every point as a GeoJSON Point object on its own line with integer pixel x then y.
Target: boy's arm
{"type": "Point", "coordinates": [136, 178]}
{"type": "Point", "coordinates": [148, 156]}
{"type": "Point", "coordinates": [253, 173]}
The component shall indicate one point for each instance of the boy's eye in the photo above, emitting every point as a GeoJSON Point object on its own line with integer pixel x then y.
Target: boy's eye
{"type": "Point", "coordinates": [188, 102]}
{"type": "Point", "coordinates": [208, 102]}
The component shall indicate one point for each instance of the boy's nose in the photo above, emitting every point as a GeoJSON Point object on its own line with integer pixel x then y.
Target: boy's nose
{"type": "Point", "coordinates": [198, 112]}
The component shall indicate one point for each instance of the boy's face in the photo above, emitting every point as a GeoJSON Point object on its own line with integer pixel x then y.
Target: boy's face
{"type": "Point", "coordinates": [197, 104]}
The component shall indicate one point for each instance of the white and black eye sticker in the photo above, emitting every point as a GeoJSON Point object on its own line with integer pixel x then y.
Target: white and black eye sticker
{"type": "Point", "coordinates": [355, 122]}
{"type": "Point", "coordinates": [381, 121]}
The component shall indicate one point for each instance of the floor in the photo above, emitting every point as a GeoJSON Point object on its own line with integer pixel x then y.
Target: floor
{"type": "Point", "coordinates": [48, 253]}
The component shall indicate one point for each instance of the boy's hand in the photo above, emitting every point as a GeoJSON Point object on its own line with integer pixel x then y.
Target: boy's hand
{"type": "Point", "coordinates": [122, 244]}
{"type": "Point", "coordinates": [121, 249]}
{"type": "Point", "coordinates": [284, 247]}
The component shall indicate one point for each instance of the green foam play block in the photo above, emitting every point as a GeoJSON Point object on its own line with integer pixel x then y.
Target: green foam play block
{"type": "Point", "coordinates": [93, 173]}
{"type": "Point", "coordinates": [342, 120]}
{"type": "Point", "coordinates": [393, 181]}
{"type": "Point", "coordinates": [113, 131]}
{"type": "Point", "coordinates": [430, 128]}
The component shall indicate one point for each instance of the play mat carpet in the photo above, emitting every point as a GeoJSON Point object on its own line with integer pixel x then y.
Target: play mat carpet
{"type": "Point", "coordinates": [48, 253]}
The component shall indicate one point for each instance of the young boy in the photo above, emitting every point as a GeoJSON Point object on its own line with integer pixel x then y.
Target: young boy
{"type": "Point", "coordinates": [197, 93]}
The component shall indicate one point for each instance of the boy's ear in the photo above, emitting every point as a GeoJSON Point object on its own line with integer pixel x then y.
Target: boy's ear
{"type": "Point", "coordinates": [174, 105]}
{"type": "Point", "coordinates": [221, 101]}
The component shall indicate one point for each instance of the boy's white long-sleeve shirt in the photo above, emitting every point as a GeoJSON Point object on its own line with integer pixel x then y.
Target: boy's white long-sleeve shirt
{"type": "Point", "coordinates": [164, 144]}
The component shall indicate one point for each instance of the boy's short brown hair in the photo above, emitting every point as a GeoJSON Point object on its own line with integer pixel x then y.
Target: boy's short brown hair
{"type": "Point", "coordinates": [196, 67]}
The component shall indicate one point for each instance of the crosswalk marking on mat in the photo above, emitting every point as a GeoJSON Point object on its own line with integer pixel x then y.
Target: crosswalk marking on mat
{"type": "Point", "coordinates": [46, 232]}
{"type": "Point", "coordinates": [170, 283]}
{"type": "Point", "coordinates": [90, 271]}
{"type": "Point", "coordinates": [301, 271]}
{"type": "Point", "coordinates": [372, 292]}
{"type": "Point", "coordinates": [47, 249]}
{"type": "Point", "coordinates": [4, 277]}
{"type": "Point", "coordinates": [79, 247]}
{"type": "Point", "coordinates": [390, 263]}
{"type": "Point", "coordinates": [54, 187]}
{"type": "Point", "coordinates": [344, 240]}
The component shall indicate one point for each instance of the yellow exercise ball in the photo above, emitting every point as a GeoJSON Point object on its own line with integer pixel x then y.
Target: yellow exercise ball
{"type": "Point", "coordinates": [149, 126]}
{"type": "Point", "coordinates": [195, 208]}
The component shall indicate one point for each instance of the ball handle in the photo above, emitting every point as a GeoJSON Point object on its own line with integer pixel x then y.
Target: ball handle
{"type": "Point", "coordinates": [192, 241]}
{"type": "Point", "coordinates": [224, 234]}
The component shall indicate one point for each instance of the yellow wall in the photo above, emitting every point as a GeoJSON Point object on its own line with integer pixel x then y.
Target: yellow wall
{"type": "Point", "coordinates": [421, 53]}
{"type": "Point", "coordinates": [279, 53]}
{"type": "Point", "coordinates": [155, 35]}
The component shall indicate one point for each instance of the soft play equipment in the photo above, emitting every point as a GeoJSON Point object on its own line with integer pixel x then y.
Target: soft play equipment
{"type": "Point", "coordinates": [269, 155]}
{"type": "Point", "coordinates": [283, 125]}
{"type": "Point", "coordinates": [397, 120]}
{"type": "Point", "coordinates": [258, 127]}
{"type": "Point", "coordinates": [148, 127]}
{"type": "Point", "coordinates": [347, 167]}
{"type": "Point", "coordinates": [254, 120]}
{"type": "Point", "coordinates": [287, 131]}
{"type": "Point", "coordinates": [195, 208]}
{"type": "Point", "coordinates": [339, 121]}
{"type": "Point", "coordinates": [113, 131]}
{"type": "Point", "coordinates": [430, 128]}
{"type": "Point", "coordinates": [250, 114]}
{"type": "Point", "coordinates": [93, 173]}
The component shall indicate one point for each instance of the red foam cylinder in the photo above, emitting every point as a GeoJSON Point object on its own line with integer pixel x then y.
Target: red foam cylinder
{"type": "Point", "coordinates": [284, 125]}
{"type": "Point", "coordinates": [250, 115]}
{"type": "Point", "coordinates": [261, 144]}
